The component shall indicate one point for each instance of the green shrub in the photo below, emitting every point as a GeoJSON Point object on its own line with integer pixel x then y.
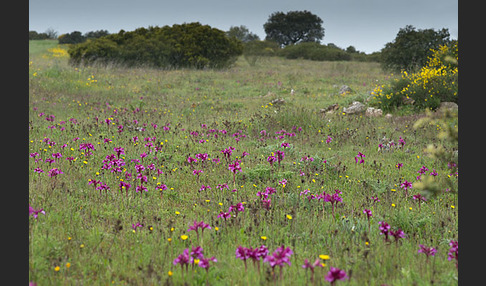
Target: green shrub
{"type": "Point", "coordinates": [72, 38]}
{"type": "Point", "coordinates": [255, 50]}
{"type": "Point", "coordinates": [181, 46]}
{"type": "Point", "coordinates": [315, 52]}
{"type": "Point", "coordinates": [434, 83]}
{"type": "Point", "coordinates": [411, 48]}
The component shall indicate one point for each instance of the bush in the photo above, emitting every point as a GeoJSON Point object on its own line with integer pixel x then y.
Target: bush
{"type": "Point", "coordinates": [255, 50]}
{"type": "Point", "coordinates": [315, 52]}
{"type": "Point", "coordinates": [432, 84]}
{"type": "Point", "coordinates": [411, 48]}
{"type": "Point", "coordinates": [188, 45]}
{"type": "Point", "coordinates": [72, 38]}
{"type": "Point", "coordinates": [33, 35]}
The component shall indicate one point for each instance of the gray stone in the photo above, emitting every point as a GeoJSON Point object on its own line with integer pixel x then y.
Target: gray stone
{"type": "Point", "coordinates": [373, 112]}
{"type": "Point", "coordinates": [278, 101]}
{"type": "Point", "coordinates": [345, 90]}
{"type": "Point", "coordinates": [448, 105]}
{"type": "Point", "coordinates": [354, 108]}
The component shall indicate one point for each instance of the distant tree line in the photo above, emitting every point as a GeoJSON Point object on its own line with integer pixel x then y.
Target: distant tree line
{"type": "Point", "coordinates": [68, 38]}
{"type": "Point", "coordinates": [76, 37]}
{"type": "Point", "coordinates": [293, 35]}
{"type": "Point", "coordinates": [49, 34]}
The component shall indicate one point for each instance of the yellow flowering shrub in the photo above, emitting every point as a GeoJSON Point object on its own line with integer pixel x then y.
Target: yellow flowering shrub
{"type": "Point", "coordinates": [428, 87]}
{"type": "Point", "coordinates": [56, 52]}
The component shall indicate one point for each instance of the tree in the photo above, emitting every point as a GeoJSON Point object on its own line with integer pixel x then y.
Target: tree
{"type": "Point", "coordinates": [33, 35]}
{"type": "Point", "coordinates": [51, 33]}
{"type": "Point", "coordinates": [411, 48]}
{"type": "Point", "coordinates": [96, 34]}
{"type": "Point", "coordinates": [242, 33]}
{"type": "Point", "coordinates": [351, 50]}
{"type": "Point", "coordinates": [294, 27]}
{"type": "Point", "coordinates": [72, 38]}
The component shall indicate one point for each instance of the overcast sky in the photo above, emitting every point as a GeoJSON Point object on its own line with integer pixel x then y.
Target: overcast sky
{"type": "Point", "coordinates": [365, 24]}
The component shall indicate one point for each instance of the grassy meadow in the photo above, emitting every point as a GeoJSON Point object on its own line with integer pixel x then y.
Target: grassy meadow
{"type": "Point", "coordinates": [123, 162]}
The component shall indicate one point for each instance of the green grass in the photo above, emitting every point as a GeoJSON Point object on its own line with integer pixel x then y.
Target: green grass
{"type": "Point", "coordinates": [233, 100]}
{"type": "Point", "coordinates": [39, 47]}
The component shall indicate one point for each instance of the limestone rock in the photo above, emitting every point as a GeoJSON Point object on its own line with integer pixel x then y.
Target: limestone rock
{"type": "Point", "coordinates": [452, 106]}
{"type": "Point", "coordinates": [345, 90]}
{"type": "Point", "coordinates": [278, 101]}
{"type": "Point", "coordinates": [355, 108]}
{"type": "Point", "coordinates": [373, 112]}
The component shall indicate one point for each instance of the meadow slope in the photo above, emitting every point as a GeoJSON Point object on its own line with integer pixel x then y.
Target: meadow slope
{"type": "Point", "coordinates": [124, 164]}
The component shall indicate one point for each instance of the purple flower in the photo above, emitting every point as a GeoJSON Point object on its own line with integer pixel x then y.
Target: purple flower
{"type": "Point", "coordinates": [280, 257]}
{"type": "Point", "coordinates": [335, 274]}
{"type": "Point", "coordinates": [139, 168]}
{"type": "Point", "coordinates": [203, 188]}
{"type": "Point", "coordinates": [235, 167]}
{"type": "Point", "coordinates": [33, 155]}
{"type": "Point", "coordinates": [57, 155]}
{"type": "Point", "coordinates": [224, 215]}
{"type": "Point", "coordinates": [422, 170]}
{"type": "Point", "coordinates": [384, 229]}
{"type": "Point", "coordinates": [134, 226]}
{"type": "Point", "coordinates": [204, 262]}
{"type": "Point", "coordinates": [329, 139]}
{"type": "Point", "coordinates": [280, 155]}
{"type": "Point", "coordinates": [453, 251]}
{"type": "Point", "coordinates": [401, 141]}
{"type": "Point", "coordinates": [202, 156]}
{"type": "Point", "coordinates": [307, 264]}
{"type": "Point", "coordinates": [54, 172]}
{"type": "Point", "coordinates": [38, 170]}
{"type": "Point", "coordinates": [304, 192]}
{"type": "Point", "coordinates": [242, 253]}
{"type": "Point", "coordinates": [399, 165]}
{"type": "Point", "coordinates": [406, 185]}
{"type": "Point", "coordinates": [161, 187]}
{"type": "Point", "coordinates": [238, 208]}
{"type": "Point", "coordinates": [428, 251]}
{"type": "Point", "coordinates": [196, 253]}
{"type": "Point", "coordinates": [227, 152]}
{"type": "Point", "coordinates": [419, 197]}
{"type": "Point", "coordinates": [397, 234]}
{"type": "Point", "coordinates": [257, 253]}
{"type": "Point", "coordinates": [357, 158]}
{"type": "Point", "coordinates": [33, 212]}
{"type": "Point", "coordinates": [270, 190]}
{"type": "Point", "coordinates": [222, 186]}
{"type": "Point", "coordinates": [141, 188]}
{"type": "Point", "coordinates": [182, 259]}
{"type": "Point", "coordinates": [199, 225]}
{"type": "Point", "coordinates": [271, 159]}
{"type": "Point", "coordinates": [368, 213]}
{"type": "Point", "coordinates": [333, 199]}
